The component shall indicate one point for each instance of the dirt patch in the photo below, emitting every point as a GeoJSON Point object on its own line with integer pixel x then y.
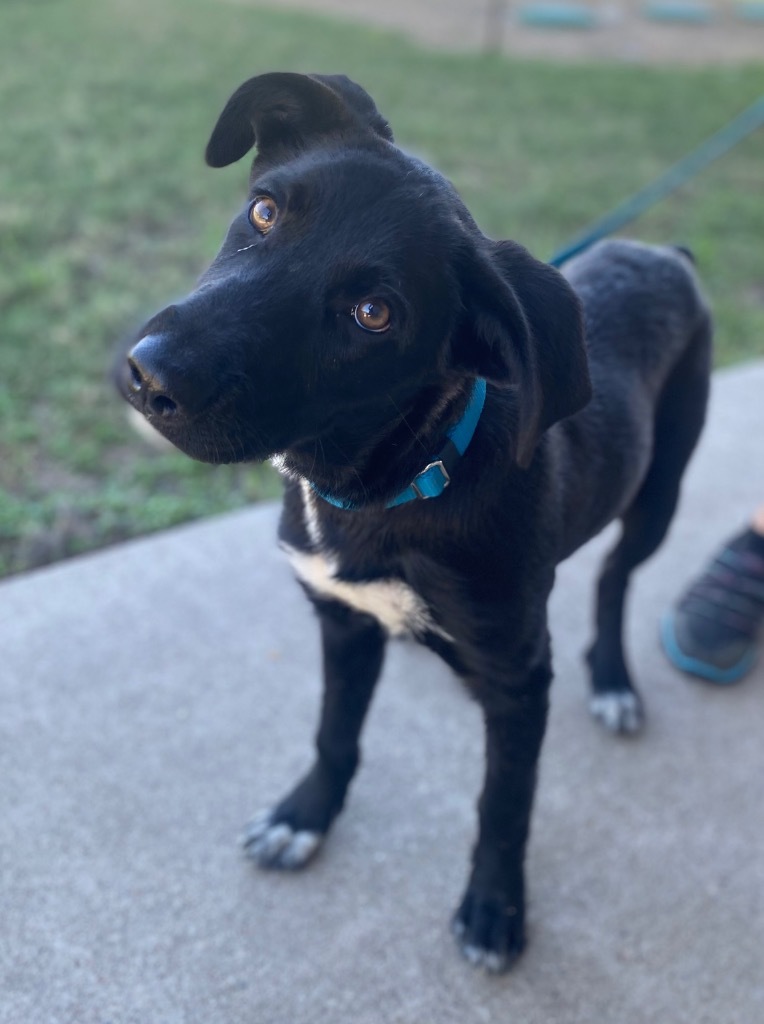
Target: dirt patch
{"type": "Point", "coordinates": [622, 31]}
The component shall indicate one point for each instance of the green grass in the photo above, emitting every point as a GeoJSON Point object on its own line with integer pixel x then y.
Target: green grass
{"type": "Point", "coordinates": [107, 212]}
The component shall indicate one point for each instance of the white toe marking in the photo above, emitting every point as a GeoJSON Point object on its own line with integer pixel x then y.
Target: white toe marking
{"type": "Point", "coordinates": [300, 849]}
{"type": "Point", "coordinates": [278, 845]}
{"type": "Point", "coordinates": [272, 842]}
{"type": "Point", "coordinates": [618, 711]}
{"type": "Point", "coordinates": [494, 962]}
{"type": "Point", "coordinates": [256, 829]}
{"type": "Point", "coordinates": [473, 953]}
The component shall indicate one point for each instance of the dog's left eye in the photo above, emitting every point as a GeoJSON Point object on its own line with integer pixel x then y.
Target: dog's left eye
{"type": "Point", "coordinates": [263, 213]}
{"type": "Point", "coordinates": [372, 315]}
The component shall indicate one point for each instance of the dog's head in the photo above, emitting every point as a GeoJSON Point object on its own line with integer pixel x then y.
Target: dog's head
{"type": "Point", "coordinates": [352, 295]}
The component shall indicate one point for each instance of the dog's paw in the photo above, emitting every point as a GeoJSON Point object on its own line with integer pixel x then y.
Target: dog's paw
{"type": "Point", "coordinates": [489, 933]}
{"type": "Point", "coordinates": [620, 711]}
{"type": "Point", "coordinates": [275, 844]}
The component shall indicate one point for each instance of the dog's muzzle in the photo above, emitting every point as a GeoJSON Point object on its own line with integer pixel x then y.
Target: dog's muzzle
{"type": "Point", "coordinates": [148, 388]}
{"type": "Point", "coordinates": [157, 388]}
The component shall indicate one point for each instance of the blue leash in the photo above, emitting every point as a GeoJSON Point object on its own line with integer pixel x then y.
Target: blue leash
{"type": "Point", "coordinates": [714, 147]}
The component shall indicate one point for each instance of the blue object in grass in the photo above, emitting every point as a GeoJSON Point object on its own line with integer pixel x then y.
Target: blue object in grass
{"type": "Point", "coordinates": [685, 11]}
{"type": "Point", "coordinates": [750, 10]}
{"type": "Point", "coordinates": [557, 15]}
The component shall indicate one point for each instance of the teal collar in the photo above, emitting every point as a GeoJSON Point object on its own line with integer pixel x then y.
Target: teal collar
{"type": "Point", "coordinates": [436, 475]}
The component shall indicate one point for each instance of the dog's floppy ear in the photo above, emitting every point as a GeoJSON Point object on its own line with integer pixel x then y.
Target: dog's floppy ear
{"type": "Point", "coordinates": [286, 112]}
{"type": "Point", "coordinates": [523, 330]}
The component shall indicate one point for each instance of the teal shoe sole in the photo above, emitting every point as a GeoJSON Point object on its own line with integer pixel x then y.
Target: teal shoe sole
{"type": "Point", "coordinates": [703, 669]}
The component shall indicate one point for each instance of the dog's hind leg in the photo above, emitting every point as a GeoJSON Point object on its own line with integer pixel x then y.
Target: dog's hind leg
{"type": "Point", "coordinates": [289, 834]}
{"type": "Point", "coordinates": [679, 419]}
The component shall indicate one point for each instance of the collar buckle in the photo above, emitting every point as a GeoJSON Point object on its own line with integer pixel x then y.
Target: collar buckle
{"type": "Point", "coordinates": [434, 478]}
{"type": "Point", "coordinates": [432, 481]}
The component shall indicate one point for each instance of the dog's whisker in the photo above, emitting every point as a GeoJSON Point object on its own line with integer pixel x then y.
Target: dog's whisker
{"type": "Point", "coordinates": [348, 464]}
{"type": "Point", "coordinates": [312, 470]}
{"type": "Point", "coordinates": [406, 423]}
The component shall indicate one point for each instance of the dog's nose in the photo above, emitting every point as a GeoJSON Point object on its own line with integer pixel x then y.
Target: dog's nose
{"type": "Point", "coordinates": [147, 378]}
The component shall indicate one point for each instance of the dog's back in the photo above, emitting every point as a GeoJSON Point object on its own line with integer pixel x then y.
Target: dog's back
{"type": "Point", "coordinates": [648, 336]}
{"type": "Point", "coordinates": [641, 302]}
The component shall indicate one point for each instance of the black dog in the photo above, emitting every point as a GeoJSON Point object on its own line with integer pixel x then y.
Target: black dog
{"type": "Point", "coordinates": [358, 329]}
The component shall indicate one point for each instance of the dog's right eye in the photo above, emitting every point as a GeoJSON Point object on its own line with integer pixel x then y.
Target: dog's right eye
{"type": "Point", "coordinates": [263, 213]}
{"type": "Point", "coordinates": [372, 315]}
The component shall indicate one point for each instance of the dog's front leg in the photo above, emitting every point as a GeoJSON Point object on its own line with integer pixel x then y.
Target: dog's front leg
{"type": "Point", "coordinates": [288, 835]}
{"type": "Point", "coordinates": [489, 924]}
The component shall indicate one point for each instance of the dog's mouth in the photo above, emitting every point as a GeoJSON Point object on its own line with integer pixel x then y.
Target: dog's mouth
{"type": "Point", "coordinates": [213, 435]}
{"type": "Point", "coordinates": [216, 442]}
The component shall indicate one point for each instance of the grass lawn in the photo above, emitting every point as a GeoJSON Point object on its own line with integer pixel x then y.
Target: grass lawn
{"type": "Point", "coordinates": [107, 212]}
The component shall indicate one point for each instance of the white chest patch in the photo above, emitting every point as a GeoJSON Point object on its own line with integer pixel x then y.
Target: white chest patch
{"type": "Point", "coordinates": [398, 608]}
{"type": "Point", "coordinates": [394, 604]}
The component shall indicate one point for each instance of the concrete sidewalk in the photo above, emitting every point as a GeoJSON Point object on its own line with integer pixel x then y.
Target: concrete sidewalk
{"type": "Point", "coordinates": [155, 695]}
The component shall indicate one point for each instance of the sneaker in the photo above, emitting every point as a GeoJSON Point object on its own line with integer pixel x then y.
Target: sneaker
{"type": "Point", "coordinates": [712, 632]}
